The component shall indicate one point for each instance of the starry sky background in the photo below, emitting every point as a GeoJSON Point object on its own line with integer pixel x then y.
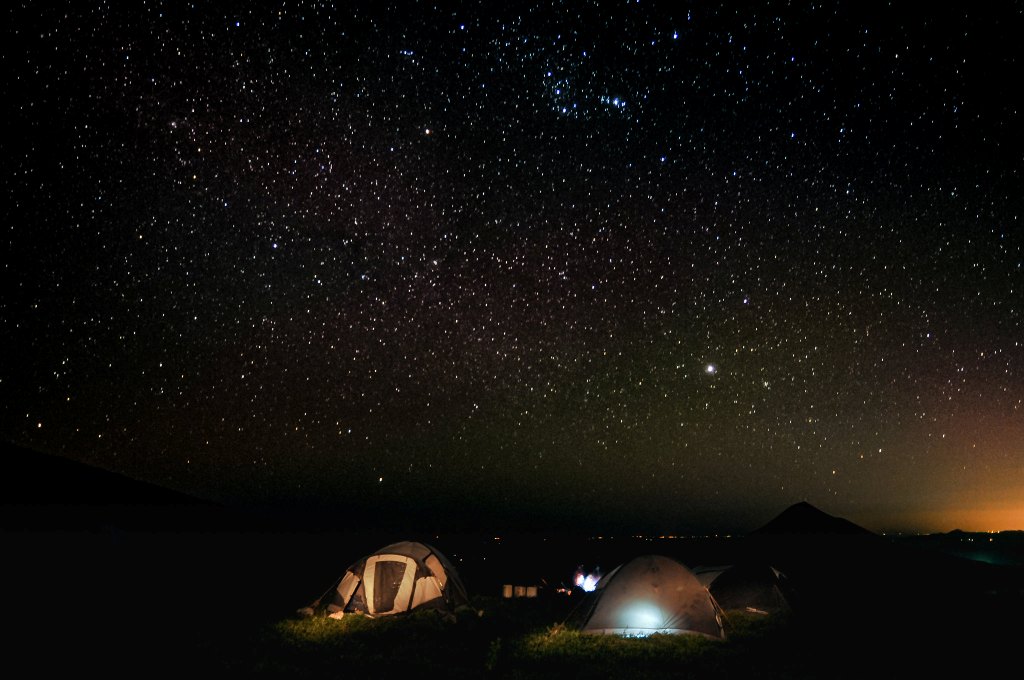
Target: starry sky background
{"type": "Point", "coordinates": [647, 266]}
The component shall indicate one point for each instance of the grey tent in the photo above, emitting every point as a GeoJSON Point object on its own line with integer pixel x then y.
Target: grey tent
{"type": "Point", "coordinates": [651, 594]}
{"type": "Point", "coordinates": [397, 578]}
{"type": "Point", "coordinates": [756, 588]}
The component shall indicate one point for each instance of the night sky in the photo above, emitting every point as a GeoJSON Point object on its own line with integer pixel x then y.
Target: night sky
{"type": "Point", "coordinates": [638, 266]}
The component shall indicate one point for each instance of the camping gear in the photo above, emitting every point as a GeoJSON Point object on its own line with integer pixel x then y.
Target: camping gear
{"type": "Point", "coordinates": [395, 579]}
{"type": "Point", "coordinates": [651, 594]}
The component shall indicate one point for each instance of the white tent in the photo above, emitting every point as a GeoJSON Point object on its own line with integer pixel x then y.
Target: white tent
{"type": "Point", "coordinates": [652, 594]}
{"type": "Point", "coordinates": [397, 578]}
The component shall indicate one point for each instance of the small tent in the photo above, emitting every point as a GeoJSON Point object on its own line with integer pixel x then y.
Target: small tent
{"type": "Point", "coordinates": [647, 595]}
{"type": "Point", "coordinates": [756, 588]}
{"type": "Point", "coordinates": [395, 579]}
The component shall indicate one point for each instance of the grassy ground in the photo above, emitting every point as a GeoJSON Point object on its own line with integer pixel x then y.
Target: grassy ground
{"type": "Point", "coordinates": [497, 639]}
{"type": "Point", "coordinates": [525, 641]}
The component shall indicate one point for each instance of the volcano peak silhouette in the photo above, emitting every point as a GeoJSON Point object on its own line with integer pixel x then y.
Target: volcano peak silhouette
{"type": "Point", "coordinates": [804, 518]}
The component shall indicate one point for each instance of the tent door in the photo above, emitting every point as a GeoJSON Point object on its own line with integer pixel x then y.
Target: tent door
{"type": "Point", "coordinates": [389, 581]}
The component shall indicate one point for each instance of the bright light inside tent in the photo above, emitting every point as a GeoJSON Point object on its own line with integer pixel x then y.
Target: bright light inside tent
{"type": "Point", "coordinates": [641, 618]}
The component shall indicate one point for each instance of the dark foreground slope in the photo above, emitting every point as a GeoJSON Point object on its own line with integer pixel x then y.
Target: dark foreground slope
{"type": "Point", "coordinates": [101, 571]}
{"type": "Point", "coordinates": [868, 598]}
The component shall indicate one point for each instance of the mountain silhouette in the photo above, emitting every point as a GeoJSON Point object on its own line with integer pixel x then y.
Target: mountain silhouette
{"type": "Point", "coordinates": [40, 491]}
{"type": "Point", "coordinates": [804, 518]}
{"type": "Point", "coordinates": [40, 479]}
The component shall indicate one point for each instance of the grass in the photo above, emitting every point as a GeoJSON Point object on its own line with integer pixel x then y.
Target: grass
{"type": "Point", "coordinates": [558, 652]}
{"type": "Point", "coordinates": [753, 642]}
{"type": "Point", "coordinates": [524, 640]}
{"type": "Point", "coordinates": [497, 639]}
{"type": "Point", "coordinates": [357, 645]}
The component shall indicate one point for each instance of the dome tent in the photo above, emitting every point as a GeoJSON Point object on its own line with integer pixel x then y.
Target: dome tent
{"type": "Point", "coordinates": [397, 578]}
{"type": "Point", "coordinates": [651, 594]}
{"type": "Point", "coordinates": [755, 588]}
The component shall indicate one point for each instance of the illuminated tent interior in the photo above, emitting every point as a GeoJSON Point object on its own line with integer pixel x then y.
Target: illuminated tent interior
{"type": "Point", "coordinates": [755, 588]}
{"type": "Point", "coordinates": [397, 578]}
{"type": "Point", "coordinates": [647, 595]}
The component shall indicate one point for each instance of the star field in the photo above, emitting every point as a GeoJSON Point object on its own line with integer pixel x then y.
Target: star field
{"type": "Point", "coordinates": [674, 265]}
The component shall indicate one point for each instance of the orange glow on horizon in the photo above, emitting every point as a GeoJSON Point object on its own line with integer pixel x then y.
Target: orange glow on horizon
{"type": "Point", "coordinates": [988, 519]}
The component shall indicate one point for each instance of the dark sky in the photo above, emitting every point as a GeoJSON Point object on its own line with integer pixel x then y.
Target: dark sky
{"type": "Point", "coordinates": [640, 266]}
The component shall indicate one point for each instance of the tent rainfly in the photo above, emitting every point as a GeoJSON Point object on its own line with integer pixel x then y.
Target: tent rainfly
{"type": "Point", "coordinates": [756, 588]}
{"type": "Point", "coordinates": [395, 579]}
{"type": "Point", "coordinates": [652, 594]}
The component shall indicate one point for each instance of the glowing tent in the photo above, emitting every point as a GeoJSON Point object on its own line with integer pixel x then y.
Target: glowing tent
{"type": "Point", "coordinates": [395, 579]}
{"type": "Point", "coordinates": [651, 594]}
